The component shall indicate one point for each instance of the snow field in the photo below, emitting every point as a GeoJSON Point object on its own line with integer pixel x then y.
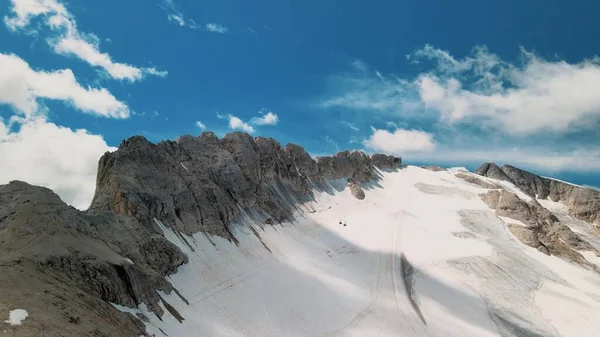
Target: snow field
{"type": "Point", "coordinates": [319, 278]}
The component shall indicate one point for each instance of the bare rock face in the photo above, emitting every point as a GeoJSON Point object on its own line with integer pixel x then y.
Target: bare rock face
{"type": "Point", "coordinates": [78, 260]}
{"type": "Point", "coordinates": [493, 171]}
{"type": "Point", "coordinates": [543, 229]}
{"type": "Point", "coordinates": [202, 183]}
{"type": "Point", "coordinates": [386, 162]}
{"type": "Point", "coordinates": [356, 190]}
{"type": "Point", "coordinates": [473, 180]}
{"type": "Point", "coordinates": [75, 263]}
{"type": "Point", "coordinates": [583, 203]}
{"type": "Point", "coordinates": [346, 164]}
{"type": "Point", "coordinates": [527, 236]}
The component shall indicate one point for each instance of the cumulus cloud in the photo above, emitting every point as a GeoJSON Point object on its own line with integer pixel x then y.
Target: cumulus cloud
{"type": "Point", "coordinates": [216, 28]}
{"type": "Point", "coordinates": [267, 118]}
{"type": "Point", "coordinates": [200, 125]}
{"type": "Point", "coordinates": [22, 88]}
{"type": "Point", "coordinates": [534, 96]}
{"type": "Point", "coordinates": [530, 96]}
{"type": "Point", "coordinates": [68, 40]}
{"type": "Point", "coordinates": [400, 141]}
{"type": "Point", "coordinates": [235, 123]}
{"type": "Point", "coordinates": [62, 159]}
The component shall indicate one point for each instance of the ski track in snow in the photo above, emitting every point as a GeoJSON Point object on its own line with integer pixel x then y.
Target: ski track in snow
{"type": "Point", "coordinates": [469, 276]}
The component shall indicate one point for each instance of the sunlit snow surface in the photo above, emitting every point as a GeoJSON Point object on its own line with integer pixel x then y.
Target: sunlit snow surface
{"type": "Point", "coordinates": [315, 277]}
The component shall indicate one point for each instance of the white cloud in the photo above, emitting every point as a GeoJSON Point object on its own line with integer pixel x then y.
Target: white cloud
{"type": "Point", "coordinates": [64, 160]}
{"type": "Point", "coordinates": [400, 141]}
{"type": "Point", "coordinates": [532, 158]}
{"type": "Point", "coordinates": [268, 118]}
{"type": "Point", "coordinates": [200, 125]}
{"type": "Point", "coordinates": [69, 41]}
{"type": "Point", "coordinates": [216, 28]}
{"type": "Point", "coordinates": [350, 126]}
{"type": "Point", "coordinates": [177, 18]}
{"type": "Point", "coordinates": [528, 97]}
{"type": "Point", "coordinates": [22, 88]}
{"type": "Point", "coordinates": [235, 123]}
{"type": "Point", "coordinates": [370, 91]}
{"type": "Point", "coordinates": [535, 96]}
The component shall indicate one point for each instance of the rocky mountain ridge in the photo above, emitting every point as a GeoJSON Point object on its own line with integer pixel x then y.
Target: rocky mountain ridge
{"type": "Point", "coordinates": [540, 228]}
{"type": "Point", "coordinates": [54, 258]}
{"type": "Point", "coordinates": [583, 203]}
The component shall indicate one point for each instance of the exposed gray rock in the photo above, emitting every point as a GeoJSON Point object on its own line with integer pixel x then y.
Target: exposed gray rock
{"type": "Point", "coordinates": [347, 164]}
{"type": "Point", "coordinates": [473, 180]}
{"type": "Point", "coordinates": [528, 236]}
{"type": "Point", "coordinates": [491, 198]}
{"type": "Point", "coordinates": [64, 265]}
{"type": "Point", "coordinates": [75, 263]}
{"type": "Point", "coordinates": [543, 227]}
{"type": "Point", "coordinates": [493, 171]}
{"type": "Point", "coordinates": [583, 203]}
{"type": "Point", "coordinates": [356, 190]}
{"type": "Point", "coordinates": [386, 162]}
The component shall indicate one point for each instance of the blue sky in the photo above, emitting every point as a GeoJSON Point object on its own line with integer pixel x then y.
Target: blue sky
{"type": "Point", "coordinates": [448, 83]}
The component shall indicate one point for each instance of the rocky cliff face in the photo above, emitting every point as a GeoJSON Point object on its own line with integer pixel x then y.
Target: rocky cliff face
{"type": "Point", "coordinates": [583, 203]}
{"type": "Point", "coordinates": [66, 265]}
{"type": "Point", "coordinates": [205, 183]}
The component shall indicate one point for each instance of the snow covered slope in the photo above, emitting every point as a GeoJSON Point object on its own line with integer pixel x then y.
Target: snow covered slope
{"type": "Point", "coordinates": [421, 255]}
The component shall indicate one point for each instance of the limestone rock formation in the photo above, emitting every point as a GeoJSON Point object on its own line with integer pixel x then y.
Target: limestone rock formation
{"type": "Point", "coordinates": [54, 258]}
{"type": "Point", "coordinates": [543, 229]}
{"type": "Point", "coordinates": [386, 162]}
{"type": "Point", "coordinates": [493, 171]}
{"type": "Point", "coordinates": [347, 164]}
{"type": "Point", "coordinates": [67, 265]}
{"type": "Point", "coordinates": [356, 190]}
{"type": "Point", "coordinates": [473, 180]}
{"type": "Point", "coordinates": [583, 203]}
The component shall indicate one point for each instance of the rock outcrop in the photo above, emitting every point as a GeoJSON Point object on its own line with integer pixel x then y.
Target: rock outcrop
{"type": "Point", "coordinates": [205, 183]}
{"type": "Point", "coordinates": [492, 170]}
{"type": "Point", "coordinates": [386, 162]}
{"type": "Point", "coordinates": [54, 258]}
{"type": "Point", "coordinates": [355, 189]}
{"type": "Point", "coordinates": [476, 181]}
{"type": "Point", "coordinates": [583, 203]}
{"type": "Point", "coordinates": [542, 229]}
{"type": "Point", "coordinates": [67, 265]}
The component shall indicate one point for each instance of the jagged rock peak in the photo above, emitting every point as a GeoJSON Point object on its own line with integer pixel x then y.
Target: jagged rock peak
{"type": "Point", "coordinates": [205, 183]}
{"type": "Point", "coordinates": [492, 170]}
